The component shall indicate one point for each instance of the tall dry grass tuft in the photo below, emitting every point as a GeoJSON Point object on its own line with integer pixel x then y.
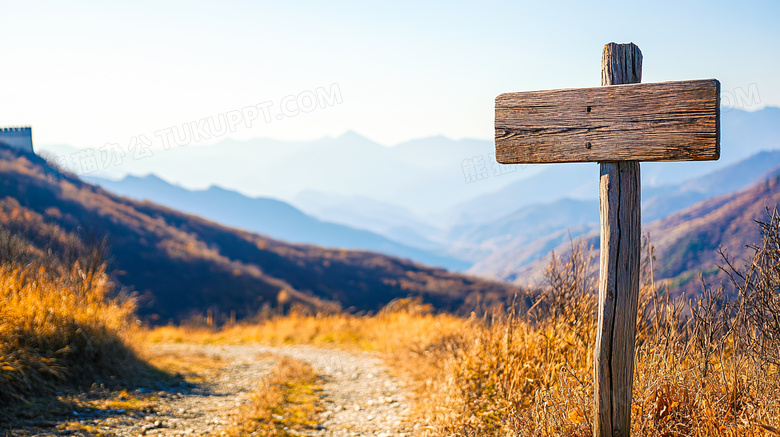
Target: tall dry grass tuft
{"type": "Point", "coordinates": [59, 324]}
{"type": "Point", "coordinates": [526, 372]}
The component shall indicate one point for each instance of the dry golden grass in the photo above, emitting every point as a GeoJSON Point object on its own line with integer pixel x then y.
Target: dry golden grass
{"type": "Point", "coordinates": [58, 324]}
{"type": "Point", "coordinates": [406, 333]}
{"type": "Point", "coordinates": [192, 366]}
{"type": "Point", "coordinates": [702, 367]}
{"type": "Point", "coordinates": [515, 376]}
{"type": "Point", "coordinates": [285, 404]}
{"type": "Point", "coordinates": [698, 369]}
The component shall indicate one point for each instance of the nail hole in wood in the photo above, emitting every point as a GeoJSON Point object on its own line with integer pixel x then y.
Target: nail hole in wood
{"type": "Point", "coordinates": [587, 109]}
{"type": "Point", "coordinates": [587, 145]}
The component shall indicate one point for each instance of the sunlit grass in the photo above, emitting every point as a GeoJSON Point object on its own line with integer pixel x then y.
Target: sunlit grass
{"type": "Point", "coordinates": [60, 325]}
{"type": "Point", "coordinates": [286, 402]}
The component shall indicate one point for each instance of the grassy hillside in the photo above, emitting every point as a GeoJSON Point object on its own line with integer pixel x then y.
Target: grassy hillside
{"type": "Point", "coordinates": [181, 265]}
{"type": "Point", "coordinates": [688, 243]}
{"type": "Point", "coordinates": [61, 322]}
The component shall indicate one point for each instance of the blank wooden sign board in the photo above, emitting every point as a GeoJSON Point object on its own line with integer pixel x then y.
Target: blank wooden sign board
{"type": "Point", "coordinates": [617, 125]}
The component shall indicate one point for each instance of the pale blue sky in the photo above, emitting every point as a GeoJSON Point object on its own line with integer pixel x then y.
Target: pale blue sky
{"type": "Point", "coordinates": [88, 73]}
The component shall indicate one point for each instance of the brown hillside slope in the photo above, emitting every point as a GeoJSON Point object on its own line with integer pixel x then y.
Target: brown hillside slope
{"type": "Point", "coordinates": [183, 265]}
{"type": "Point", "coordinates": [687, 243]}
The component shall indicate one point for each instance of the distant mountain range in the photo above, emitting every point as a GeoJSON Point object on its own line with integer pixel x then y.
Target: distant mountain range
{"type": "Point", "coordinates": [660, 201]}
{"type": "Point", "coordinates": [496, 247]}
{"type": "Point", "coordinates": [686, 242]}
{"type": "Point", "coordinates": [499, 246]}
{"type": "Point", "coordinates": [423, 193]}
{"type": "Point", "coordinates": [744, 135]}
{"type": "Point", "coordinates": [269, 217]}
{"type": "Point", "coordinates": [434, 200]}
{"type": "Point", "coordinates": [180, 264]}
{"type": "Point", "coordinates": [394, 222]}
{"type": "Point", "coordinates": [422, 176]}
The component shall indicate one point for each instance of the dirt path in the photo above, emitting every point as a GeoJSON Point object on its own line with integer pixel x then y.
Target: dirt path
{"type": "Point", "coordinates": [360, 397]}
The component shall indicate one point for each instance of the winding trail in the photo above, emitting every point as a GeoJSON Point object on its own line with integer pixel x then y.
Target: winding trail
{"type": "Point", "coordinates": [360, 397]}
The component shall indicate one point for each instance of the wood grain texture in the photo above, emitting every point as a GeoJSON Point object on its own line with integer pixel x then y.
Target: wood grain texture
{"type": "Point", "coordinates": [620, 206]}
{"type": "Point", "coordinates": [618, 296]}
{"type": "Point", "coordinates": [667, 121]}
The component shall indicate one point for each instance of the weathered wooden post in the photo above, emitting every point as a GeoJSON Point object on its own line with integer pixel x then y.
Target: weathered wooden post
{"type": "Point", "coordinates": [617, 125]}
{"type": "Point", "coordinates": [621, 234]}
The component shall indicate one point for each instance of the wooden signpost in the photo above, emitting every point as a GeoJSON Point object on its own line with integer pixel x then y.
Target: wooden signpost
{"type": "Point", "coordinates": [618, 125]}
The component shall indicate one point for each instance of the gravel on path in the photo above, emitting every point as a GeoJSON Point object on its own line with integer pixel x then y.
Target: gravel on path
{"type": "Point", "coordinates": [359, 398]}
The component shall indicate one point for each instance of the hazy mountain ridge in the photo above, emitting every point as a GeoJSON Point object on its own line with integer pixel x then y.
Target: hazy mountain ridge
{"type": "Point", "coordinates": [425, 181]}
{"type": "Point", "coordinates": [744, 134]}
{"type": "Point", "coordinates": [659, 202]}
{"type": "Point", "coordinates": [498, 249]}
{"type": "Point", "coordinates": [527, 225]}
{"type": "Point", "coordinates": [479, 227]}
{"type": "Point", "coordinates": [686, 243]}
{"type": "Point", "coordinates": [423, 176]}
{"type": "Point", "coordinates": [271, 217]}
{"type": "Point", "coordinates": [576, 218]}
